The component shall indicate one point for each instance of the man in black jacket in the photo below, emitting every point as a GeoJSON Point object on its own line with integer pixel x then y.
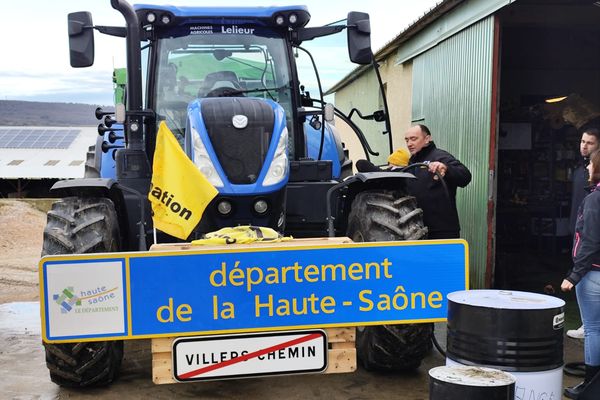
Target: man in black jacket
{"type": "Point", "coordinates": [590, 139]}
{"type": "Point", "coordinates": [437, 197]}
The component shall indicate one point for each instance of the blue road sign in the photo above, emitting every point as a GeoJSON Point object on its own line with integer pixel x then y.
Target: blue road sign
{"type": "Point", "coordinates": [229, 289]}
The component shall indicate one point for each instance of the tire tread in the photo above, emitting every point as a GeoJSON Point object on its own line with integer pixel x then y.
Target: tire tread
{"type": "Point", "coordinates": [388, 215]}
{"type": "Point", "coordinates": [78, 226]}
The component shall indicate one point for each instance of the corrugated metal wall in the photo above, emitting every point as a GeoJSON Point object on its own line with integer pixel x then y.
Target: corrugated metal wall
{"type": "Point", "coordinates": [452, 86]}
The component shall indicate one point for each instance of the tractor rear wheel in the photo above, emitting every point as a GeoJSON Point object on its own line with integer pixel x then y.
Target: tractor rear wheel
{"type": "Point", "coordinates": [76, 226]}
{"type": "Point", "coordinates": [384, 216]}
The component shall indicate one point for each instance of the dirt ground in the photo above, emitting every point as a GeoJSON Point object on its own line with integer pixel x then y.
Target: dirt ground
{"type": "Point", "coordinates": [20, 247]}
{"type": "Point", "coordinates": [24, 374]}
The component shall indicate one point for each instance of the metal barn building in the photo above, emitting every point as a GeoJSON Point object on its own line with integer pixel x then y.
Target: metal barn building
{"type": "Point", "coordinates": [482, 75]}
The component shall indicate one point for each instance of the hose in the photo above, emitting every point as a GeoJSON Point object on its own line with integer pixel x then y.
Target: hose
{"type": "Point", "coordinates": [426, 165]}
{"type": "Point", "coordinates": [575, 368]}
{"type": "Point", "coordinates": [436, 344]}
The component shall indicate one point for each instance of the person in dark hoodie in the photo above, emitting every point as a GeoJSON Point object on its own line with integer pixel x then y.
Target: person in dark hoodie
{"type": "Point", "coordinates": [435, 196]}
{"type": "Point", "coordinates": [590, 139]}
{"type": "Point", "coordinates": [585, 275]}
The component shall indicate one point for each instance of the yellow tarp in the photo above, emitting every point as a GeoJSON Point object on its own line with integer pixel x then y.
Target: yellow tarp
{"type": "Point", "coordinates": [241, 235]}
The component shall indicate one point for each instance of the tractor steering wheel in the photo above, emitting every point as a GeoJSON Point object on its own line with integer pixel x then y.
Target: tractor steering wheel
{"type": "Point", "coordinates": [224, 91]}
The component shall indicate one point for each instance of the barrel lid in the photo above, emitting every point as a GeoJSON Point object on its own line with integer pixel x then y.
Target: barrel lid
{"type": "Point", "coordinates": [505, 299]}
{"type": "Point", "coordinates": [472, 376]}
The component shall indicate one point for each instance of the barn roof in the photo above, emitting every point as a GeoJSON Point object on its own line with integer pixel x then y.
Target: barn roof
{"type": "Point", "coordinates": [37, 152]}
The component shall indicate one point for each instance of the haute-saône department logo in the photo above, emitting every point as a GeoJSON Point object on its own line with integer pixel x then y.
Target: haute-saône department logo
{"type": "Point", "coordinates": [99, 299]}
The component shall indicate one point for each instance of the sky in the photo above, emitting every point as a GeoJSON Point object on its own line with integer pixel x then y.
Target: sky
{"type": "Point", "coordinates": [34, 63]}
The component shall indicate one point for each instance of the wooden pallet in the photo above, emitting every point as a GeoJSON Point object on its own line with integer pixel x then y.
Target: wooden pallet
{"type": "Point", "coordinates": [341, 348]}
{"type": "Point", "coordinates": [341, 355]}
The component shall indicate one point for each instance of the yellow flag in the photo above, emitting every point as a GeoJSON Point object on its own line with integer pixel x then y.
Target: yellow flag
{"type": "Point", "coordinates": [179, 193]}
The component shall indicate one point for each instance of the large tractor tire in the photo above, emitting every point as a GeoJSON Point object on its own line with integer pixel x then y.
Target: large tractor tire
{"type": "Point", "coordinates": [76, 226]}
{"type": "Point", "coordinates": [384, 216]}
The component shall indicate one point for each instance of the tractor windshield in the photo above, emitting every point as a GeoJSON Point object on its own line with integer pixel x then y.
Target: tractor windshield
{"type": "Point", "coordinates": [219, 64]}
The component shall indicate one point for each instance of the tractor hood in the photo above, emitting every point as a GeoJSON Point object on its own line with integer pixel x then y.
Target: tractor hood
{"type": "Point", "coordinates": [239, 143]}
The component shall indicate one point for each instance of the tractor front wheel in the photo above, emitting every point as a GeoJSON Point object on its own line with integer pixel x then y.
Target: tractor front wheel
{"type": "Point", "coordinates": [387, 216]}
{"type": "Point", "coordinates": [77, 226]}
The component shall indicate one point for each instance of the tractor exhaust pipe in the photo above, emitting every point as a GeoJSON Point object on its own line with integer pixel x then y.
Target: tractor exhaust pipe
{"type": "Point", "coordinates": [134, 123]}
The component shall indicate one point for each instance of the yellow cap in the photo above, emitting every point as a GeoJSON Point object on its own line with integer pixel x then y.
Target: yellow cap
{"type": "Point", "coordinates": [399, 158]}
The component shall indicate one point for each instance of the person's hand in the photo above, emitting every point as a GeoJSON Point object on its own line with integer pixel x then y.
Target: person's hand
{"type": "Point", "coordinates": [566, 286]}
{"type": "Point", "coordinates": [438, 167]}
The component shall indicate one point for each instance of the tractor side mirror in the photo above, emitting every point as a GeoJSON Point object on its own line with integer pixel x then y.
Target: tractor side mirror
{"type": "Point", "coordinates": [359, 38]}
{"type": "Point", "coordinates": [81, 39]}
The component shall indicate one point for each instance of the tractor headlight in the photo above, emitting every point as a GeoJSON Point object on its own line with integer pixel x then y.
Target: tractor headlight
{"type": "Point", "coordinates": [203, 161]}
{"type": "Point", "coordinates": [279, 167]}
{"type": "Point", "coordinates": [224, 207]}
{"type": "Point", "coordinates": [261, 206]}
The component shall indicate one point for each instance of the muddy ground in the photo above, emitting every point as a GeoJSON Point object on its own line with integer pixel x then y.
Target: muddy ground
{"type": "Point", "coordinates": [23, 374]}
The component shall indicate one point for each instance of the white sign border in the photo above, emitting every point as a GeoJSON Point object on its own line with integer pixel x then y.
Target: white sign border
{"type": "Point", "coordinates": [72, 273]}
{"type": "Point", "coordinates": [250, 335]}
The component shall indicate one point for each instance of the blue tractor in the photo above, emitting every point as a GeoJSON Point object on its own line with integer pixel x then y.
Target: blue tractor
{"type": "Point", "coordinates": [225, 81]}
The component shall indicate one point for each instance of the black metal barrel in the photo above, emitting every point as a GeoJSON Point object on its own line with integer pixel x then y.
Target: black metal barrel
{"type": "Point", "coordinates": [461, 382]}
{"type": "Point", "coordinates": [512, 331]}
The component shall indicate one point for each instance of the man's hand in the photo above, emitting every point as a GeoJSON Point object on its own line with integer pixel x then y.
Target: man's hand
{"type": "Point", "coordinates": [440, 168]}
{"type": "Point", "coordinates": [566, 286]}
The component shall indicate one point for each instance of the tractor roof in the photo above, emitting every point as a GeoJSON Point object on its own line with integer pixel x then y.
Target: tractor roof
{"type": "Point", "coordinates": [259, 13]}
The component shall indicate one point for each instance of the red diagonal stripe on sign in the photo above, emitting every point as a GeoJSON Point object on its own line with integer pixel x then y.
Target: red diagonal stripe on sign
{"type": "Point", "coordinates": [249, 356]}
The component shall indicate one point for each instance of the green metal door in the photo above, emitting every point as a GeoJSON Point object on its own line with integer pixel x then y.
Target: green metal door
{"type": "Point", "coordinates": [452, 95]}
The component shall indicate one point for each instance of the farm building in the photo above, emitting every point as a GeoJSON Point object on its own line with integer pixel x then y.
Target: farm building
{"type": "Point", "coordinates": [32, 159]}
{"type": "Point", "coordinates": [487, 77]}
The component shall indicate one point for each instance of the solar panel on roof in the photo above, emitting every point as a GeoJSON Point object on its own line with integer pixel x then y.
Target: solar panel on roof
{"type": "Point", "coordinates": [16, 138]}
